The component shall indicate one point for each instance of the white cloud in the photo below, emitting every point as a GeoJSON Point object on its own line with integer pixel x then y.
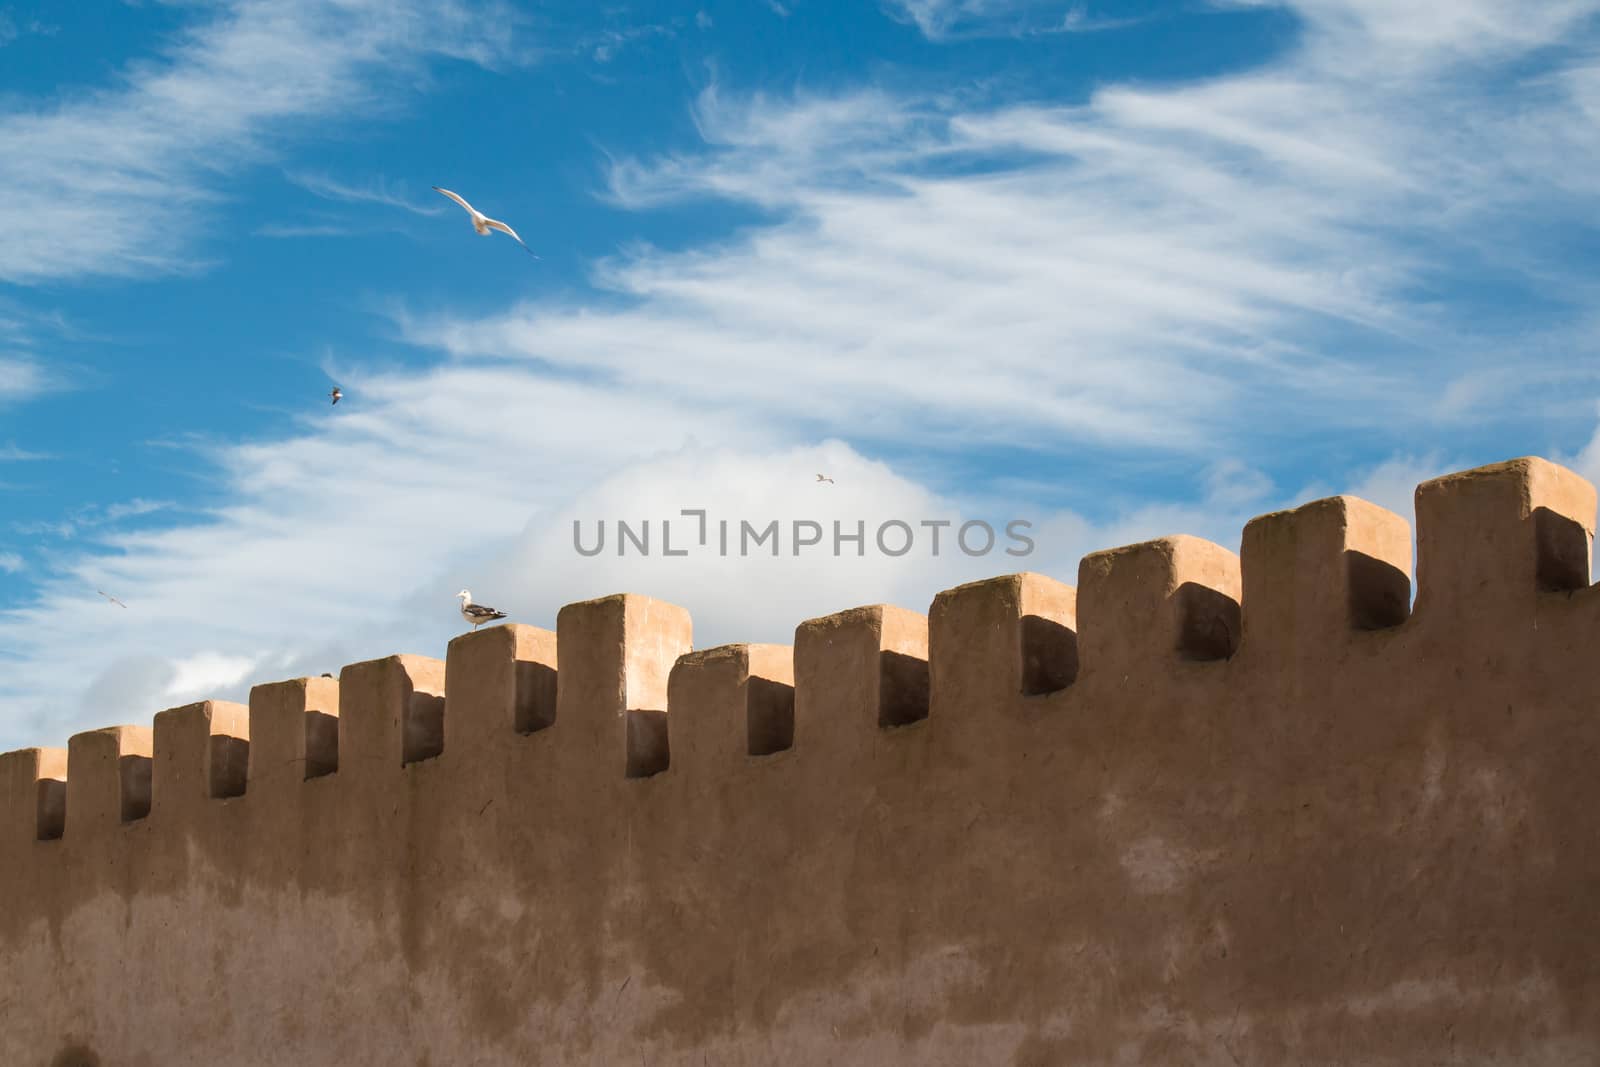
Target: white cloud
{"type": "Point", "coordinates": [292, 230]}
{"type": "Point", "coordinates": [1393, 483]}
{"type": "Point", "coordinates": [941, 20]}
{"type": "Point", "coordinates": [766, 581]}
{"type": "Point", "coordinates": [607, 44]}
{"type": "Point", "coordinates": [20, 378]}
{"type": "Point", "coordinates": [11, 30]}
{"type": "Point", "coordinates": [342, 543]}
{"type": "Point", "coordinates": [10, 562]}
{"type": "Point", "coordinates": [1587, 461]}
{"type": "Point", "coordinates": [1079, 20]}
{"type": "Point", "coordinates": [91, 517]}
{"type": "Point", "coordinates": [348, 541]}
{"type": "Point", "coordinates": [1386, 35]}
{"type": "Point", "coordinates": [112, 182]}
{"type": "Point", "coordinates": [378, 191]}
{"type": "Point", "coordinates": [1132, 272]}
{"type": "Point", "coordinates": [135, 507]}
{"type": "Point", "coordinates": [1230, 483]}
{"type": "Point", "coordinates": [23, 373]}
{"type": "Point", "coordinates": [197, 677]}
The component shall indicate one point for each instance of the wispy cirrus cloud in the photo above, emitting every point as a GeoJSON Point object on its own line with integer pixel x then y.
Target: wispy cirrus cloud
{"type": "Point", "coordinates": [111, 182]}
{"type": "Point", "coordinates": [378, 191]}
{"type": "Point", "coordinates": [943, 20]}
{"type": "Point", "coordinates": [311, 229]}
{"type": "Point", "coordinates": [937, 18]}
{"type": "Point", "coordinates": [21, 377]}
{"type": "Point", "coordinates": [1399, 37]}
{"type": "Point", "coordinates": [1080, 20]}
{"type": "Point", "coordinates": [1151, 262]}
{"type": "Point", "coordinates": [12, 30]}
{"type": "Point", "coordinates": [24, 374]}
{"type": "Point", "coordinates": [610, 43]}
{"type": "Point", "coordinates": [92, 517]}
{"type": "Point", "coordinates": [1134, 272]}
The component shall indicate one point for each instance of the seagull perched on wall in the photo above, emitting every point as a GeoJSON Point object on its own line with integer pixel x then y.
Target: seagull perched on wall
{"type": "Point", "coordinates": [476, 614]}
{"type": "Point", "coordinates": [483, 223]}
{"type": "Point", "coordinates": [824, 478]}
{"type": "Point", "coordinates": [336, 394]}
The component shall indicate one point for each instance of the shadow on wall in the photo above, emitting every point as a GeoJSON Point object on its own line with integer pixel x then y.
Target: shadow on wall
{"type": "Point", "coordinates": [135, 772]}
{"type": "Point", "coordinates": [903, 689]}
{"type": "Point", "coordinates": [1380, 592]}
{"type": "Point", "coordinates": [75, 1056]}
{"type": "Point", "coordinates": [1211, 624]}
{"type": "Point", "coordinates": [1563, 551]}
{"type": "Point", "coordinates": [1049, 656]}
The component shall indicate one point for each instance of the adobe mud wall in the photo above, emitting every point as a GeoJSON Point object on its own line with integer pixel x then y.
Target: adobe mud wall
{"type": "Point", "coordinates": [1201, 809]}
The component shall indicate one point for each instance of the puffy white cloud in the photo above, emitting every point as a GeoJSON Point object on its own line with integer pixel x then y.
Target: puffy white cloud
{"type": "Point", "coordinates": [1587, 462]}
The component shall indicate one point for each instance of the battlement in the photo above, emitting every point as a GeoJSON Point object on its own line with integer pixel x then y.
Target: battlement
{"type": "Point", "coordinates": [1071, 824]}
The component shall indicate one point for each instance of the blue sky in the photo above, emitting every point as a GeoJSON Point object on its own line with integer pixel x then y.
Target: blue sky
{"type": "Point", "coordinates": [1121, 269]}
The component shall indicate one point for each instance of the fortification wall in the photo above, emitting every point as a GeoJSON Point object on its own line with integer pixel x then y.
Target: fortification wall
{"type": "Point", "coordinates": [1201, 809]}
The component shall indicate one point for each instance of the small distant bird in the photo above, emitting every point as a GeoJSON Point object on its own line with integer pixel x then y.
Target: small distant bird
{"type": "Point", "coordinates": [336, 394]}
{"type": "Point", "coordinates": [477, 614]}
{"type": "Point", "coordinates": [824, 478]}
{"type": "Point", "coordinates": [483, 223]}
{"type": "Point", "coordinates": [325, 674]}
{"type": "Point", "coordinates": [111, 598]}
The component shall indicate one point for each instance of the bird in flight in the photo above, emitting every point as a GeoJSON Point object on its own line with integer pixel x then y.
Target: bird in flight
{"type": "Point", "coordinates": [483, 223]}
{"type": "Point", "coordinates": [111, 598]}
{"type": "Point", "coordinates": [824, 478]}
{"type": "Point", "coordinates": [477, 614]}
{"type": "Point", "coordinates": [336, 394]}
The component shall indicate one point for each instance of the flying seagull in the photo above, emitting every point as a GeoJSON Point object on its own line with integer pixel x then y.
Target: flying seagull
{"type": "Point", "coordinates": [477, 614]}
{"type": "Point", "coordinates": [336, 394]}
{"type": "Point", "coordinates": [111, 598]}
{"type": "Point", "coordinates": [483, 223]}
{"type": "Point", "coordinates": [824, 478]}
